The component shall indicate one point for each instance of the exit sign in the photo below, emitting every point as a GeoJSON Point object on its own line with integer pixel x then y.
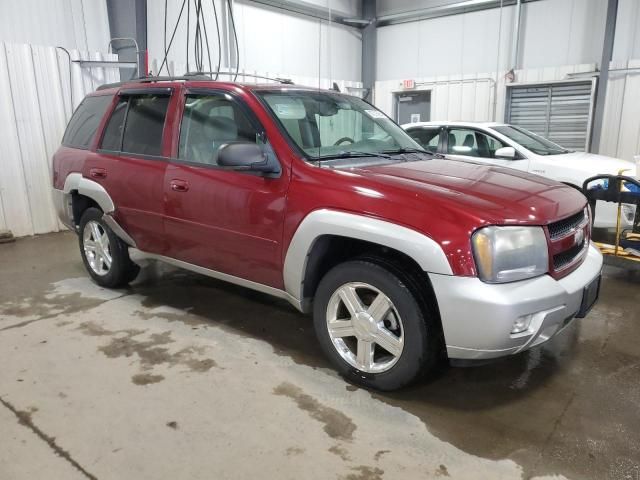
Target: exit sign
{"type": "Point", "coordinates": [409, 84]}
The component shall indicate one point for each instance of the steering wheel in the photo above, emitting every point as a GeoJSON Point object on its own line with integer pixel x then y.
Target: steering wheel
{"type": "Point", "coordinates": [345, 139]}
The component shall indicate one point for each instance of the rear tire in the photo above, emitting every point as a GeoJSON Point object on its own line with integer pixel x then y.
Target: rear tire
{"type": "Point", "coordinates": [104, 255]}
{"type": "Point", "coordinates": [373, 328]}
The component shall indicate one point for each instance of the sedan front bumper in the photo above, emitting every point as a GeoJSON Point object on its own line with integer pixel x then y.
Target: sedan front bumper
{"type": "Point", "coordinates": [478, 318]}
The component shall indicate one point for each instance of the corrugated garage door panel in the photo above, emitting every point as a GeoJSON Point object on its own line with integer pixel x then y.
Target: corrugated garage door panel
{"type": "Point", "coordinates": [559, 112]}
{"type": "Point", "coordinates": [35, 106]}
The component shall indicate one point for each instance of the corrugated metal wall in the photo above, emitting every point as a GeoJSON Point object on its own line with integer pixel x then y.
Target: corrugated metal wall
{"type": "Point", "coordinates": [621, 123]}
{"type": "Point", "coordinates": [73, 24]}
{"type": "Point", "coordinates": [35, 105]}
{"type": "Point", "coordinates": [471, 97]}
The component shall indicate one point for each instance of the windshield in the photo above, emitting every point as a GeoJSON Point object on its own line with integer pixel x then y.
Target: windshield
{"type": "Point", "coordinates": [531, 141]}
{"type": "Point", "coordinates": [331, 125]}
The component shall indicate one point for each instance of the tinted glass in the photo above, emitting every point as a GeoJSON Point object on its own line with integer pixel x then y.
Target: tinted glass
{"type": "Point", "coordinates": [85, 120]}
{"type": "Point", "coordinates": [112, 138]}
{"type": "Point", "coordinates": [472, 143]}
{"type": "Point", "coordinates": [427, 137]}
{"type": "Point", "coordinates": [530, 140]}
{"type": "Point", "coordinates": [144, 124]}
{"type": "Point", "coordinates": [326, 124]}
{"type": "Point", "coordinates": [209, 122]}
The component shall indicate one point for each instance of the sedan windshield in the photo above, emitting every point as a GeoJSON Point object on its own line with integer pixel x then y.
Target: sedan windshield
{"type": "Point", "coordinates": [328, 125]}
{"type": "Point", "coordinates": [531, 141]}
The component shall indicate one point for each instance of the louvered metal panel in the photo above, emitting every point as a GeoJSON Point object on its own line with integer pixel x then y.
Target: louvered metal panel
{"type": "Point", "coordinates": [560, 112]}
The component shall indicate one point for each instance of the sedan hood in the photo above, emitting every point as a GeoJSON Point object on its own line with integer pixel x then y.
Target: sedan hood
{"type": "Point", "coordinates": [591, 164]}
{"type": "Point", "coordinates": [489, 194]}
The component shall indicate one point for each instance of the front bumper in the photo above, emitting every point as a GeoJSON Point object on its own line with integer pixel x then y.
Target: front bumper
{"type": "Point", "coordinates": [477, 317]}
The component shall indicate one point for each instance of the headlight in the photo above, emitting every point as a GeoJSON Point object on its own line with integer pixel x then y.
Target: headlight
{"type": "Point", "coordinates": [508, 254]}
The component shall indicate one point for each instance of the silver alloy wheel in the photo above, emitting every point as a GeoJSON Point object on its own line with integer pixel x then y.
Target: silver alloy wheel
{"type": "Point", "coordinates": [97, 250]}
{"type": "Point", "coordinates": [364, 327]}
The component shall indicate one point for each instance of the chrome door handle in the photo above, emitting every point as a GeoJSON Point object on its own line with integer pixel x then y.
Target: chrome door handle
{"type": "Point", "coordinates": [179, 186]}
{"type": "Point", "coordinates": [98, 173]}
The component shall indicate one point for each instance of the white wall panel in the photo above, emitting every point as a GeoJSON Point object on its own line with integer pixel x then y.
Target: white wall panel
{"type": "Point", "coordinates": [627, 41]}
{"type": "Point", "coordinates": [455, 44]}
{"type": "Point", "coordinates": [35, 106]}
{"type": "Point", "coordinates": [73, 24]}
{"type": "Point", "coordinates": [562, 32]}
{"type": "Point", "coordinates": [553, 33]}
{"type": "Point", "coordinates": [269, 40]}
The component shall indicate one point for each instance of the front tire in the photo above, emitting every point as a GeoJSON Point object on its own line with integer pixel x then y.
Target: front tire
{"type": "Point", "coordinates": [105, 256]}
{"type": "Point", "coordinates": [372, 327]}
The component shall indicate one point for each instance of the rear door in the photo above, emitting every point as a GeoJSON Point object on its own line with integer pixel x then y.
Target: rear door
{"type": "Point", "coordinates": [130, 163]}
{"type": "Point", "coordinates": [470, 144]}
{"type": "Point", "coordinates": [224, 220]}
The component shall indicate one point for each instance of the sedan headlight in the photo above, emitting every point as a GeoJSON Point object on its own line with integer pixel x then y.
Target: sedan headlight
{"type": "Point", "coordinates": [508, 254]}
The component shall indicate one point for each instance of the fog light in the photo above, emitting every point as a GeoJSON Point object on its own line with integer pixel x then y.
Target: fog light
{"type": "Point", "coordinates": [522, 324]}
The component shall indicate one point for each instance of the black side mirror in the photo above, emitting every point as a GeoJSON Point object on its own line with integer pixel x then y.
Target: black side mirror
{"type": "Point", "coordinates": [245, 156]}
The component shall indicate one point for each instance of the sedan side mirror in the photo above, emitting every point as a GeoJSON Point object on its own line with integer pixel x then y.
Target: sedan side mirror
{"type": "Point", "coordinates": [508, 153]}
{"type": "Point", "coordinates": [246, 156]}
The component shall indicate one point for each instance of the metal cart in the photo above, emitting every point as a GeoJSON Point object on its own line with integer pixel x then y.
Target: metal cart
{"type": "Point", "coordinates": [625, 253]}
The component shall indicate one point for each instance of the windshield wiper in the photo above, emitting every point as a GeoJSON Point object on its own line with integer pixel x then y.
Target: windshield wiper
{"type": "Point", "coordinates": [355, 154]}
{"type": "Point", "coordinates": [407, 150]}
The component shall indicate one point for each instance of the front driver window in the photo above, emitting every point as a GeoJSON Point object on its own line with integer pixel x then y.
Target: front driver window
{"type": "Point", "coordinates": [472, 143]}
{"type": "Point", "coordinates": [208, 122]}
{"type": "Point", "coordinates": [428, 138]}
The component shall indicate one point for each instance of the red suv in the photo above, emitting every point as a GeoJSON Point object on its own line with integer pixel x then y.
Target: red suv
{"type": "Point", "coordinates": [319, 198]}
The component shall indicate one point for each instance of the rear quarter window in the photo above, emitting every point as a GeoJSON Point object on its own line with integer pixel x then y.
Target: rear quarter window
{"type": "Point", "coordinates": [85, 121]}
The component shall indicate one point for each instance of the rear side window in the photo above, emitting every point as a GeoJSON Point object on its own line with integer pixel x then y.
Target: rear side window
{"type": "Point", "coordinates": [85, 120]}
{"type": "Point", "coordinates": [136, 125]}
{"type": "Point", "coordinates": [112, 138]}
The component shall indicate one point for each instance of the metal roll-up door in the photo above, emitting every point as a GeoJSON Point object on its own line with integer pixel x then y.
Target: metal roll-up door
{"type": "Point", "coordinates": [560, 112]}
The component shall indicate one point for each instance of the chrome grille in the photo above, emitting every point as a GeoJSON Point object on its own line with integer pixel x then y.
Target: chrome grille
{"type": "Point", "coordinates": [564, 227]}
{"type": "Point", "coordinates": [563, 259]}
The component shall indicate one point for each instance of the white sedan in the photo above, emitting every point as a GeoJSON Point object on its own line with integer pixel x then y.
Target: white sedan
{"type": "Point", "coordinates": [515, 147]}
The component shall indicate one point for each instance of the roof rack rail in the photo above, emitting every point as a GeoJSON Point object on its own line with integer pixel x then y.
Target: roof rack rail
{"type": "Point", "coordinates": [285, 81]}
{"type": "Point", "coordinates": [152, 79]}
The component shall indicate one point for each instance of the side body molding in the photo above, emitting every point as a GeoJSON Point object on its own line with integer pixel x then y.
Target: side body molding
{"type": "Point", "coordinates": [93, 190]}
{"type": "Point", "coordinates": [89, 188]}
{"type": "Point", "coordinates": [425, 251]}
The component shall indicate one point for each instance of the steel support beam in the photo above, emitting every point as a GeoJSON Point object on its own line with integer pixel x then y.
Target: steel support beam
{"type": "Point", "coordinates": [128, 19]}
{"type": "Point", "coordinates": [464, 6]}
{"type": "Point", "coordinates": [603, 78]}
{"type": "Point", "coordinates": [369, 48]}
{"type": "Point", "coordinates": [311, 10]}
{"type": "Point", "coordinates": [515, 46]}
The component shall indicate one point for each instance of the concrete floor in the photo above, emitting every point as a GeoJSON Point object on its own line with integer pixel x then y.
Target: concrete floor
{"type": "Point", "coordinates": [181, 376]}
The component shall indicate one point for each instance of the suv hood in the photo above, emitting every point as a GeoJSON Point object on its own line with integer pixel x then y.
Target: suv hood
{"type": "Point", "coordinates": [590, 163]}
{"type": "Point", "coordinates": [489, 194]}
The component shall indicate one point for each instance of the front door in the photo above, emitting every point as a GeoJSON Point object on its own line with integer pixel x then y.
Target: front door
{"type": "Point", "coordinates": [469, 144]}
{"type": "Point", "coordinates": [220, 219]}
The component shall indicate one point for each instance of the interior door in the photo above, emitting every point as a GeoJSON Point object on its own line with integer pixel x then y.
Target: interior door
{"type": "Point", "coordinates": [129, 164]}
{"type": "Point", "coordinates": [413, 107]}
{"type": "Point", "coordinates": [224, 220]}
{"type": "Point", "coordinates": [474, 145]}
